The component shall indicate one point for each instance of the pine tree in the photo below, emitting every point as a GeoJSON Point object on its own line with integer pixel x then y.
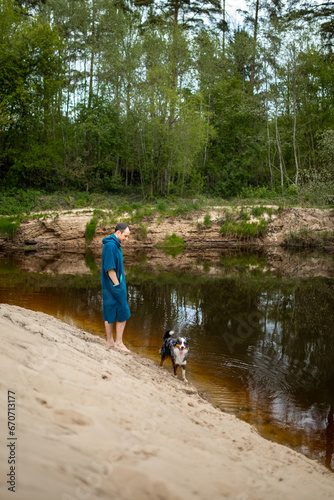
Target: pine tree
{"type": "Point", "coordinates": [188, 13]}
{"type": "Point", "coordinates": [312, 11]}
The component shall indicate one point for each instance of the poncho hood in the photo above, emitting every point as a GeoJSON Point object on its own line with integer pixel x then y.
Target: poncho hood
{"type": "Point", "coordinates": [111, 239]}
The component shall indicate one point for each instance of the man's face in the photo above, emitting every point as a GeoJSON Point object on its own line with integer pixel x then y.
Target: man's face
{"type": "Point", "coordinates": [122, 237]}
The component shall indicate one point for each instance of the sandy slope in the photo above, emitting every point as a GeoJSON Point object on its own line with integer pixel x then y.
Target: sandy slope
{"type": "Point", "coordinates": [98, 424]}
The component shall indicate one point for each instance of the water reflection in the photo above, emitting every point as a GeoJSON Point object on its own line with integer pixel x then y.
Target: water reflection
{"type": "Point", "coordinates": [262, 347]}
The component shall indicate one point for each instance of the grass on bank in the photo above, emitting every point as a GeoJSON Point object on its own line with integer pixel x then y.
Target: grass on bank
{"type": "Point", "coordinates": [25, 201]}
{"type": "Point", "coordinates": [108, 209]}
{"type": "Point", "coordinates": [306, 239]}
{"type": "Point", "coordinates": [244, 230]}
{"type": "Point", "coordinates": [238, 223]}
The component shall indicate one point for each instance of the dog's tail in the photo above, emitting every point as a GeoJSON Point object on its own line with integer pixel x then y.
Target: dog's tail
{"type": "Point", "coordinates": [168, 333]}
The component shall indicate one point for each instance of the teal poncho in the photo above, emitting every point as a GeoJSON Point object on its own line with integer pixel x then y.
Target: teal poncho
{"type": "Point", "coordinates": [115, 305]}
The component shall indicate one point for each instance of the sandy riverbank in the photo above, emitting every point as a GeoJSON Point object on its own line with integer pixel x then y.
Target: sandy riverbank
{"type": "Point", "coordinates": [98, 424]}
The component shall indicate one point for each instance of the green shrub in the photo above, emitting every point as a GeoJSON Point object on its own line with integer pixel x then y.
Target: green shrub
{"type": "Point", "coordinates": [161, 206]}
{"type": "Point", "coordinates": [186, 207]}
{"type": "Point", "coordinates": [19, 201]}
{"type": "Point", "coordinates": [172, 245]}
{"type": "Point", "coordinates": [260, 192]}
{"type": "Point", "coordinates": [9, 226]}
{"type": "Point", "coordinates": [207, 220]}
{"type": "Point", "coordinates": [144, 211]}
{"type": "Point", "coordinates": [124, 207]}
{"type": "Point", "coordinates": [293, 190]}
{"type": "Point", "coordinates": [141, 232]}
{"type": "Point", "coordinates": [244, 215]}
{"type": "Point", "coordinates": [136, 205]}
{"type": "Point", "coordinates": [98, 213]}
{"type": "Point", "coordinates": [257, 211]}
{"type": "Point", "coordinates": [90, 229]}
{"type": "Point", "coordinates": [317, 187]}
{"type": "Point", "coordinates": [244, 230]}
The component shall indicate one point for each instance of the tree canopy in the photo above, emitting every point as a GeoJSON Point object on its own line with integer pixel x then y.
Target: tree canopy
{"type": "Point", "coordinates": [166, 97]}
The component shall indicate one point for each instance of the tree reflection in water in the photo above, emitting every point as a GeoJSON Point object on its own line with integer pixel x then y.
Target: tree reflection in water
{"type": "Point", "coordinates": [261, 346]}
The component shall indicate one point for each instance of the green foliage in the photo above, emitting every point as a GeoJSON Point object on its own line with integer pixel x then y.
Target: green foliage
{"type": "Point", "coordinates": [326, 149]}
{"type": "Point", "coordinates": [9, 226]}
{"type": "Point", "coordinates": [185, 207]}
{"type": "Point", "coordinates": [125, 207]}
{"type": "Point", "coordinates": [90, 229]}
{"type": "Point", "coordinates": [15, 202]}
{"type": "Point", "coordinates": [317, 188]}
{"type": "Point", "coordinates": [308, 239]}
{"type": "Point", "coordinates": [31, 73]}
{"type": "Point", "coordinates": [161, 206]}
{"type": "Point", "coordinates": [257, 211]}
{"type": "Point", "coordinates": [244, 263]}
{"type": "Point", "coordinates": [98, 213]}
{"type": "Point", "coordinates": [140, 213]}
{"type": "Point", "coordinates": [172, 245]}
{"type": "Point", "coordinates": [244, 230]}
{"type": "Point", "coordinates": [100, 99]}
{"type": "Point", "coordinates": [90, 262]}
{"type": "Point", "coordinates": [141, 232]}
{"type": "Point", "coordinates": [257, 193]}
{"type": "Point", "coordinates": [136, 205]}
{"type": "Point", "coordinates": [207, 220]}
{"type": "Point", "coordinates": [243, 214]}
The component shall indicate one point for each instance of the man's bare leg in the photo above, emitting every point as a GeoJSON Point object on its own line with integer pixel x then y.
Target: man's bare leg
{"type": "Point", "coordinates": [119, 336]}
{"type": "Point", "coordinates": [109, 332]}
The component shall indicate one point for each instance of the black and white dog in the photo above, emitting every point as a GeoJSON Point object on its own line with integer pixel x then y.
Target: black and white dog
{"type": "Point", "coordinates": [177, 350]}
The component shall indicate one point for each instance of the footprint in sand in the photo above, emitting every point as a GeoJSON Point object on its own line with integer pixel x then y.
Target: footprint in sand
{"type": "Point", "coordinates": [71, 417]}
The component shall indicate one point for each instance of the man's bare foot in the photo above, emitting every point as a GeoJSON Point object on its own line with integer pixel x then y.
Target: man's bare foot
{"type": "Point", "coordinates": [110, 346]}
{"type": "Point", "coordinates": [121, 347]}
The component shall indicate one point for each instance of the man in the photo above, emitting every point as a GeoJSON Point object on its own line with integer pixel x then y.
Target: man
{"type": "Point", "coordinates": [115, 305]}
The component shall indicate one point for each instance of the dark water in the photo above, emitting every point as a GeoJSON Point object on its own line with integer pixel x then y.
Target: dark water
{"type": "Point", "coordinates": [261, 347]}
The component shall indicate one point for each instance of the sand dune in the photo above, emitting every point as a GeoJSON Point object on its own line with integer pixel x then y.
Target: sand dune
{"type": "Point", "coordinates": [98, 424]}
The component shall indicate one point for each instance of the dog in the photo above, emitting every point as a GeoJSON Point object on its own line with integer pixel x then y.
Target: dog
{"type": "Point", "coordinates": [177, 350]}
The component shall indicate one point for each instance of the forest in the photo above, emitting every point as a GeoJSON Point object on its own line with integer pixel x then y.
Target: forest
{"type": "Point", "coordinates": [167, 97]}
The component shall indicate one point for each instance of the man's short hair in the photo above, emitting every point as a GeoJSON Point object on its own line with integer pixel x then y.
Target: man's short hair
{"type": "Point", "coordinates": [121, 226]}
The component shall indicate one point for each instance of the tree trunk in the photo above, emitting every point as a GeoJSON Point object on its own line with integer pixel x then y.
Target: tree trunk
{"type": "Point", "coordinates": [277, 137]}
{"type": "Point", "coordinates": [174, 64]}
{"type": "Point", "coordinates": [224, 12]}
{"type": "Point", "coordinates": [294, 138]}
{"type": "Point", "coordinates": [91, 72]}
{"type": "Point", "coordinates": [295, 118]}
{"type": "Point", "coordinates": [269, 153]}
{"type": "Point", "coordinates": [252, 76]}
{"type": "Point", "coordinates": [268, 136]}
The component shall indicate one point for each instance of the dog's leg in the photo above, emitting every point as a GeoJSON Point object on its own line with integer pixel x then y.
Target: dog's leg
{"type": "Point", "coordinates": [184, 375]}
{"type": "Point", "coordinates": [162, 360]}
{"type": "Point", "coordinates": [174, 368]}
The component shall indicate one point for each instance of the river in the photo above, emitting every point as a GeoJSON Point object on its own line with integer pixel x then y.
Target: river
{"type": "Point", "coordinates": [261, 345]}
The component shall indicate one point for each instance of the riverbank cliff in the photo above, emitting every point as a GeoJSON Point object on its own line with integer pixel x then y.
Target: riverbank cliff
{"type": "Point", "coordinates": [58, 242]}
